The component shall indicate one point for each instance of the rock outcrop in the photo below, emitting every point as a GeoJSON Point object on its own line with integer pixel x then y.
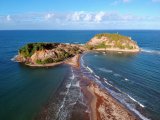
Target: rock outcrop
{"type": "Point", "coordinates": [114, 42]}
{"type": "Point", "coordinates": [46, 53]}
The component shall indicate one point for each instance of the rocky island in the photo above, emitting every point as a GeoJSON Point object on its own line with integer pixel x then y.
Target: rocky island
{"type": "Point", "coordinates": [112, 42]}
{"type": "Point", "coordinates": [47, 54]}
{"type": "Point", "coordinates": [51, 54]}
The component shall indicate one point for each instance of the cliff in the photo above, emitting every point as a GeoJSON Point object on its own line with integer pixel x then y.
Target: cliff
{"type": "Point", "coordinates": [113, 42]}
{"type": "Point", "coordinates": [37, 54]}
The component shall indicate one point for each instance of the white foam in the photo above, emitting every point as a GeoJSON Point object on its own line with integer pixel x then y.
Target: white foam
{"type": "Point", "coordinates": [68, 85]}
{"type": "Point", "coordinates": [108, 83]}
{"type": "Point", "coordinates": [77, 84]}
{"type": "Point", "coordinates": [14, 58]}
{"type": "Point", "coordinates": [90, 69]}
{"type": "Point", "coordinates": [136, 101]}
{"type": "Point", "coordinates": [117, 75]}
{"type": "Point", "coordinates": [105, 70]}
{"type": "Point", "coordinates": [97, 76]}
{"type": "Point", "coordinates": [126, 79]}
{"type": "Point", "coordinates": [122, 100]}
{"type": "Point", "coordinates": [150, 51]}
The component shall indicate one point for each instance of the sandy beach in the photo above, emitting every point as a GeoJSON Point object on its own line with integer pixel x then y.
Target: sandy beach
{"type": "Point", "coordinates": [118, 50]}
{"type": "Point", "coordinates": [73, 61]}
{"type": "Point", "coordinates": [102, 105]}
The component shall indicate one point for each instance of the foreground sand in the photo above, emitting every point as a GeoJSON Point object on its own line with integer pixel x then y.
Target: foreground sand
{"type": "Point", "coordinates": [102, 105]}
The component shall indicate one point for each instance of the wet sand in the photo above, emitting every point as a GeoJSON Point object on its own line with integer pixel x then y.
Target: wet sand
{"type": "Point", "coordinates": [102, 105]}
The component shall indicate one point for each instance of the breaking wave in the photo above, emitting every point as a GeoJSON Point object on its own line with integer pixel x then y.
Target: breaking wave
{"type": "Point", "coordinates": [150, 51]}
{"type": "Point", "coordinates": [105, 70]}
{"type": "Point", "coordinates": [14, 58]}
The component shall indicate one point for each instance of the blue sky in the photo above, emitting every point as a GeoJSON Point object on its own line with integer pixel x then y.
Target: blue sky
{"type": "Point", "coordinates": [79, 14]}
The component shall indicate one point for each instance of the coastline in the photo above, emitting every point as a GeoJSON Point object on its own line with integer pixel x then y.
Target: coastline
{"type": "Point", "coordinates": [102, 105]}
{"type": "Point", "coordinates": [74, 61]}
{"type": "Point", "coordinates": [118, 50]}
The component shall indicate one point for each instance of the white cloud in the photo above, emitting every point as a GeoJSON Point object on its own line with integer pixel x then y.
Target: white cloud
{"type": "Point", "coordinates": [49, 16]}
{"type": "Point", "coordinates": [88, 17]}
{"type": "Point", "coordinates": [8, 17]}
{"type": "Point", "coordinates": [99, 16]}
{"type": "Point", "coordinates": [77, 19]}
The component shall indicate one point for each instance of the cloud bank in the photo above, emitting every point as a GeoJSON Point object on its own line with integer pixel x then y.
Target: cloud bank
{"type": "Point", "coordinates": [78, 20]}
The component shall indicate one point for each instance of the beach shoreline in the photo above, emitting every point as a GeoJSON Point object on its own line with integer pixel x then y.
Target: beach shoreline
{"type": "Point", "coordinates": [118, 50]}
{"type": "Point", "coordinates": [102, 105]}
{"type": "Point", "coordinates": [73, 61]}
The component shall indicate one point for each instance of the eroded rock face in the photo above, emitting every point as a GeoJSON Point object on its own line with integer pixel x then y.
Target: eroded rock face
{"type": "Point", "coordinates": [58, 53]}
{"type": "Point", "coordinates": [112, 41]}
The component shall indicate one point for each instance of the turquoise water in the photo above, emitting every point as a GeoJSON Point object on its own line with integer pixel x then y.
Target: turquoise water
{"type": "Point", "coordinates": [132, 79]}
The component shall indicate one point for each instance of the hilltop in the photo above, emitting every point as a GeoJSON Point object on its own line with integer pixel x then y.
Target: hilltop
{"type": "Point", "coordinates": [113, 42]}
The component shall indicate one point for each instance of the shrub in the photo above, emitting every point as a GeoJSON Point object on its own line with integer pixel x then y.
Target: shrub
{"type": "Point", "coordinates": [48, 60]}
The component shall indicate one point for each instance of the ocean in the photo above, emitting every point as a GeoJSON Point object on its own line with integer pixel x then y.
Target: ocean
{"type": "Point", "coordinates": [132, 79]}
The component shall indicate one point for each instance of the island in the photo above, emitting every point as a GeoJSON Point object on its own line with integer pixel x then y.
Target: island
{"type": "Point", "coordinates": [101, 104]}
{"type": "Point", "coordinates": [48, 54]}
{"type": "Point", "coordinates": [112, 42]}
{"type": "Point", "coordinates": [51, 54]}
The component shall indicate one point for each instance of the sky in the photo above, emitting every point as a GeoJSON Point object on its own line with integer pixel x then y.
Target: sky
{"type": "Point", "coordinates": [79, 14]}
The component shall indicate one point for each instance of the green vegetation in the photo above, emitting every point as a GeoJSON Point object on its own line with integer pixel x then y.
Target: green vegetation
{"type": "Point", "coordinates": [29, 49]}
{"type": "Point", "coordinates": [101, 45]}
{"type": "Point", "coordinates": [115, 41]}
{"type": "Point", "coordinates": [58, 52]}
{"type": "Point", "coordinates": [113, 37]}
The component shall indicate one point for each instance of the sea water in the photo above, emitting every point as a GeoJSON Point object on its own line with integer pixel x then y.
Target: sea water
{"type": "Point", "coordinates": [133, 79]}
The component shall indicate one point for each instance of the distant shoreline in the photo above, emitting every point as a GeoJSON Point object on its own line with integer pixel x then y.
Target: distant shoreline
{"type": "Point", "coordinates": [118, 50]}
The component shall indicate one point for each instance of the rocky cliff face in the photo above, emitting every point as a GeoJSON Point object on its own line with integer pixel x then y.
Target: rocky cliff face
{"type": "Point", "coordinates": [37, 54]}
{"type": "Point", "coordinates": [112, 41]}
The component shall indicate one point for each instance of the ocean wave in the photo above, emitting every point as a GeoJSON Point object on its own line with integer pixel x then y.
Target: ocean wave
{"type": "Point", "coordinates": [150, 51]}
{"type": "Point", "coordinates": [126, 79]}
{"type": "Point", "coordinates": [89, 69]}
{"type": "Point", "coordinates": [68, 85]}
{"type": "Point", "coordinates": [136, 101]}
{"type": "Point", "coordinates": [117, 75]}
{"type": "Point", "coordinates": [105, 70]}
{"type": "Point", "coordinates": [77, 84]}
{"type": "Point", "coordinates": [107, 83]}
{"type": "Point", "coordinates": [14, 58]}
{"type": "Point", "coordinates": [123, 99]}
{"type": "Point", "coordinates": [97, 76]}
